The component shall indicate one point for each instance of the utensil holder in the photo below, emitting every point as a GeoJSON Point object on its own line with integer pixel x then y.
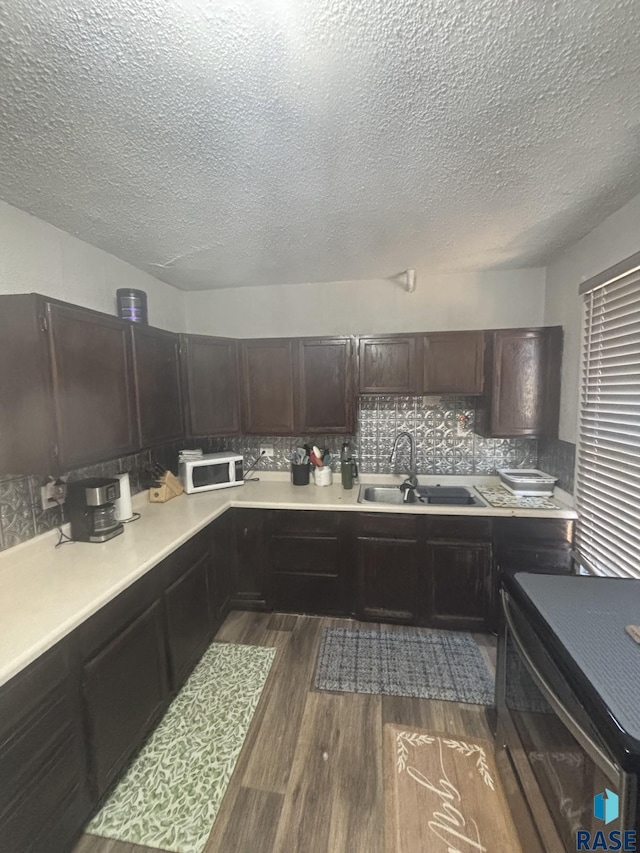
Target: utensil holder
{"type": "Point", "coordinates": [323, 476]}
{"type": "Point", "coordinates": [300, 474]}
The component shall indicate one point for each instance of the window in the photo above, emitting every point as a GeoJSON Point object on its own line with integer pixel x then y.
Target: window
{"type": "Point", "coordinates": [608, 477]}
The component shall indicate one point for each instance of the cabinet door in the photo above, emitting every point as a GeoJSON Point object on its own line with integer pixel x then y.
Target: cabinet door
{"type": "Point", "coordinates": [157, 373]}
{"type": "Point", "coordinates": [125, 691]}
{"type": "Point", "coordinates": [268, 382]}
{"type": "Point", "coordinates": [27, 425]}
{"type": "Point", "coordinates": [524, 383]}
{"type": "Point", "coordinates": [43, 796]}
{"type": "Point", "coordinates": [250, 591]}
{"type": "Point", "coordinates": [223, 566]}
{"type": "Point", "coordinates": [388, 573]}
{"type": "Point", "coordinates": [388, 365]}
{"type": "Point", "coordinates": [387, 579]}
{"type": "Point", "coordinates": [210, 368]}
{"type": "Point", "coordinates": [187, 606]}
{"type": "Point", "coordinates": [325, 399]}
{"type": "Point", "coordinates": [93, 385]}
{"type": "Point", "coordinates": [460, 585]}
{"type": "Point", "coordinates": [453, 363]}
{"type": "Point", "coordinates": [307, 563]}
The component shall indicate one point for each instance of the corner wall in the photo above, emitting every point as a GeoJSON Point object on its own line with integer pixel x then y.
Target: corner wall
{"type": "Point", "coordinates": [473, 300]}
{"type": "Point", "coordinates": [612, 241]}
{"type": "Point", "coordinates": [36, 257]}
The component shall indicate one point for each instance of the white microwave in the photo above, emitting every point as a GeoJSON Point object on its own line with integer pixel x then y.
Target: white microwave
{"type": "Point", "coordinates": [211, 471]}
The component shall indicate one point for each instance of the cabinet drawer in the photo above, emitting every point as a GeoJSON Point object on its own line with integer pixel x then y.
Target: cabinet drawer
{"type": "Point", "coordinates": [459, 527]}
{"type": "Point", "coordinates": [316, 555]}
{"type": "Point", "coordinates": [26, 691]}
{"type": "Point", "coordinates": [543, 532]}
{"type": "Point", "coordinates": [31, 742]}
{"type": "Point", "coordinates": [391, 526]}
{"type": "Point", "coordinates": [35, 810]}
{"type": "Point", "coordinates": [304, 521]}
{"type": "Point", "coordinates": [535, 559]}
{"type": "Point", "coordinates": [113, 617]}
{"type": "Point", "coordinates": [194, 550]}
{"type": "Point", "coordinates": [317, 594]}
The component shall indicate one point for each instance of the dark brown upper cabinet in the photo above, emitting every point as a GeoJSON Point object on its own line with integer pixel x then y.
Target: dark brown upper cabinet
{"type": "Point", "coordinates": [268, 386]}
{"type": "Point", "coordinates": [156, 358]}
{"type": "Point", "coordinates": [389, 364]}
{"type": "Point", "coordinates": [522, 387]}
{"type": "Point", "coordinates": [66, 386]}
{"type": "Point", "coordinates": [211, 383]}
{"type": "Point", "coordinates": [453, 362]}
{"type": "Point", "coordinates": [325, 400]}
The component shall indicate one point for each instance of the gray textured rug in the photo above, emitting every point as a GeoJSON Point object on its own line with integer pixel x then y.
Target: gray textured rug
{"type": "Point", "coordinates": [438, 665]}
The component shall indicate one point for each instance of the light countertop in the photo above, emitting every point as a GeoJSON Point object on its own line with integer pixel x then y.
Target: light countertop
{"type": "Point", "coordinates": [47, 592]}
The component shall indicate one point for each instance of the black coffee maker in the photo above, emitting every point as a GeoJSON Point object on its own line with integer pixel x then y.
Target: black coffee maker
{"type": "Point", "coordinates": [91, 509]}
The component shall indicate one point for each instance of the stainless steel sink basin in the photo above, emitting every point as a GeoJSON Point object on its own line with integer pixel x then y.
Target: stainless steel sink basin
{"type": "Point", "coordinates": [380, 495]}
{"type": "Point", "coordinates": [429, 495]}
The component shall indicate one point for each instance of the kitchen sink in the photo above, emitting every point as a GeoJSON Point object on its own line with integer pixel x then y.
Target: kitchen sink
{"type": "Point", "coordinates": [433, 495]}
{"type": "Point", "coordinates": [380, 495]}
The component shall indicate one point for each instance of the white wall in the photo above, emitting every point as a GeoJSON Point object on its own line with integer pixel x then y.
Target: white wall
{"type": "Point", "coordinates": [612, 241]}
{"type": "Point", "coordinates": [35, 257]}
{"type": "Point", "coordinates": [480, 300]}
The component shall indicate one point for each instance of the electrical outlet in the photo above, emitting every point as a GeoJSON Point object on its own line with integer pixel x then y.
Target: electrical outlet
{"type": "Point", "coordinates": [267, 451]}
{"type": "Point", "coordinates": [53, 492]}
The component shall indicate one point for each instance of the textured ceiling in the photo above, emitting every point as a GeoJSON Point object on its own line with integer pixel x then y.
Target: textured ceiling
{"type": "Point", "coordinates": [229, 142]}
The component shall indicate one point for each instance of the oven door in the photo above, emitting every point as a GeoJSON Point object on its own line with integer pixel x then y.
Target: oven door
{"type": "Point", "coordinates": [559, 758]}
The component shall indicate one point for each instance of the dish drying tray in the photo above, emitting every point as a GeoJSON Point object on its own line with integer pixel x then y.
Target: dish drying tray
{"type": "Point", "coordinates": [527, 481]}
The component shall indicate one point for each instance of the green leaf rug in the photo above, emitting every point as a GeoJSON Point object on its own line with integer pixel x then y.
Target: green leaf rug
{"type": "Point", "coordinates": [170, 796]}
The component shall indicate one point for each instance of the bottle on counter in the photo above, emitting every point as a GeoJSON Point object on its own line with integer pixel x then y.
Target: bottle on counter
{"type": "Point", "coordinates": [348, 467]}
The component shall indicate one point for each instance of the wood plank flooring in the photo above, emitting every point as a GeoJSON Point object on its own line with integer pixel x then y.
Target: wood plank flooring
{"type": "Point", "coordinates": [309, 777]}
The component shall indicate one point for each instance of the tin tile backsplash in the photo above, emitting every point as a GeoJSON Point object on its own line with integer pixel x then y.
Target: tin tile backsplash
{"type": "Point", "coordinates": [558, 458]}
{"type": "Point", "coordinates": [21, 514]}
{"type": "Point", "coordinates": [442, 428]}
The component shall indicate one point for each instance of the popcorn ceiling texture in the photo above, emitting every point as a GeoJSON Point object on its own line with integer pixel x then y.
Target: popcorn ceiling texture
{"type": "Point", "coordinates": [245, 142]}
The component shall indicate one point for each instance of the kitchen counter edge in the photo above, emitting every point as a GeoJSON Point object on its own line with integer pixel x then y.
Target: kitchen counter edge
{"type": "Point", "coordinates": [80, 579]}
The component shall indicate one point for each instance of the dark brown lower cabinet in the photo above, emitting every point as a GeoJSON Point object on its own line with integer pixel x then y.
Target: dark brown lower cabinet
{"type": "Point", "coordinates": [187, 604]}
{"type": "Point", "coordinates": [533, 545]}
{"type": "Point", "coordinates": [389, 574]}
{"type": "Point", "coordinates": [222, 567]}
{"type": "Point", "coordinates": [125, 691]}
{"type": "Point", "coordinates": [71, 722]}
{"type": "Point", "coordinates": [250, 587]}
{"type": "Point", "coordinates": [306, 563]}
{"type": "Point", "coordinates": [460, 585]}
{"type": "Point", "coordinates": [44, 799]}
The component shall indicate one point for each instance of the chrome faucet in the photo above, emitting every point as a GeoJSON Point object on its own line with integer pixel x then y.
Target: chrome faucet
{"type": "Point", "coordinates": [412, 479]}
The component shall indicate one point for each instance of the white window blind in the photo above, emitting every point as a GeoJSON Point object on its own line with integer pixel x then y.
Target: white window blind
{"type": "Point", "coordinates": [608, 477]}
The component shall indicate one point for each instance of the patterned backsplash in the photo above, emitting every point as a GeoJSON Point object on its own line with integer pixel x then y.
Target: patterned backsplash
{"type": "Point", "coordinates": [442, 429]}
{"type": "Point", "coordinates": [558, 458]}
{"type": "Point", "coordinates": [21, 513]}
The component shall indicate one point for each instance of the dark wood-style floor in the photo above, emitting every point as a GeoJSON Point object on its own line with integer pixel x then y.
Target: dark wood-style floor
{"type": "Point", "coordinates": [309, 777]}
